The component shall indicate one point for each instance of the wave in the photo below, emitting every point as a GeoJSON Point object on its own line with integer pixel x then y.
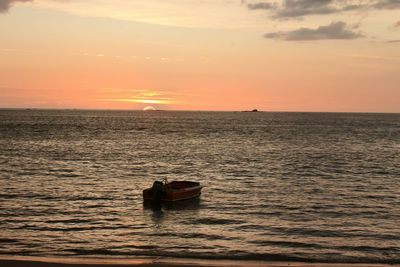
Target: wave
{"type": "Point", "coordinates": [193, 235]}
{"type": "Point", "coordinates": [8, 240]}
{"type": "Point", "coordinates": [238, 255]}
{"type": "Point", "coordinates": [213, 221]}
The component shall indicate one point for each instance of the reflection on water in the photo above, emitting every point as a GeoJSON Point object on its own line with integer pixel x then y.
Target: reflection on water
{"type": "Point", "coordinates": [298, 186]}
{"type": "Point", "coordinates": [158, 213]}
{"type": "Point", "coordinates": [189, 204]}
{"type": "Point", "coordinates": [160, 208]}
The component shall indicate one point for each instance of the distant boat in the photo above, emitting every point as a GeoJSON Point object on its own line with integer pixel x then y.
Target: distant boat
{"type": "Point", "coordinates": [173, 191]}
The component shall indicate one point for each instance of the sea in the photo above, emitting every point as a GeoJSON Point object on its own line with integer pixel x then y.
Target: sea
{"type": "Point", "coordinates": [277, 186]}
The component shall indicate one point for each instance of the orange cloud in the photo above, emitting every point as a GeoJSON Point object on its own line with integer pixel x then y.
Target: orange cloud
{"type": "Point", "coordinates": [146, 101]}
{"type": "Point", "coordinates": [145, 96]}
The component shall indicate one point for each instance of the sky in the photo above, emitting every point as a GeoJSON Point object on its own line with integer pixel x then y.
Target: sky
{"type": "Point", "coordinates": [270, 55]}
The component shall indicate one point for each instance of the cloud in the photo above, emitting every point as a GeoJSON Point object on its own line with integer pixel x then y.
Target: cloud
{"type": "Point", "coordinates": [395, 26]}
{"type": "Point", "coordinates": [369, 56]}
{"type": "Point", "coordinates": [300, 8]}
{"type": "Point", "coordinates": [143, 96]}
{"type": "Point", "coordinates": [387, 4]}
{"type": "Point", "coordinates": [260, 5]}
{"type": "Point", "coordinates": [211, 14]}
{"type": "Point", "coordinates": [334, 31]}
{"type": "Point", "coordinates": [6, 4]}
{"type": "Point", "coordinates": [305, 9]}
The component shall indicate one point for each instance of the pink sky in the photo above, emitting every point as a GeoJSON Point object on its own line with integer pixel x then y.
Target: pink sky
{"type": "Point", "coordinates": [298, 55]}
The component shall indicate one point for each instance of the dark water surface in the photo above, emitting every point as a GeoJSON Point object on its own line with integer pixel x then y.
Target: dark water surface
{"type": "Point", "coordinates": [277, 186]}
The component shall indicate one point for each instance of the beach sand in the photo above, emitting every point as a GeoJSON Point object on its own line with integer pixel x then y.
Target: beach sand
{"type": "Point", "coordinates": [148, 262]}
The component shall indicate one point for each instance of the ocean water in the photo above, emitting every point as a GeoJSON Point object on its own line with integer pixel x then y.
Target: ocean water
{"type": "Point", "coordinates": [321, 187]}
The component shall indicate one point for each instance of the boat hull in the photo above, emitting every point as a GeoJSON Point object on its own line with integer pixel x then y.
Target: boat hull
{"type": "Point", "coordinates": [176, 191]}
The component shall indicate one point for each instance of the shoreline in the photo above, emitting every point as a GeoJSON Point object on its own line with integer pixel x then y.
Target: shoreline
{"type": "Point", "coordinates": [32, 261]}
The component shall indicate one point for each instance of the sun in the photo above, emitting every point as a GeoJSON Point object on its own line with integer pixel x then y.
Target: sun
{"type": "Point", "coordinates": [149, 108]}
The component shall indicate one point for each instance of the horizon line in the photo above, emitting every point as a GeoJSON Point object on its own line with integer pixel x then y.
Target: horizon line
{"type": "Point", "coordinates": [193, 110]}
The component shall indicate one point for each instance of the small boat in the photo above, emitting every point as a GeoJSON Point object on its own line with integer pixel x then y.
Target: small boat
{"type": "Point", "coordinates": [173, 191]}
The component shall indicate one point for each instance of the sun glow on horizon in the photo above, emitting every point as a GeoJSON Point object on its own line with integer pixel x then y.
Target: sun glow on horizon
{"type": "Point", "coordinates": [141, 96]}
{"type": "Point", "coordinates": [145, 101]}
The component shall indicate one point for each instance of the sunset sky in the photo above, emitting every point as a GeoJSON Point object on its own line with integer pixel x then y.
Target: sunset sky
{"type": "Point", "coordinates": [273, 55]}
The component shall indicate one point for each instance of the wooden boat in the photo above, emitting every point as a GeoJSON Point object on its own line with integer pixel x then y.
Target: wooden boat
{"type": "Point", "coordinates": [173, 191]}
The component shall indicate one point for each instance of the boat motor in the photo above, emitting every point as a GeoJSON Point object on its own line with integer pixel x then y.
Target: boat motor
{"type": "Point", "coordinates": [157, 190]}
